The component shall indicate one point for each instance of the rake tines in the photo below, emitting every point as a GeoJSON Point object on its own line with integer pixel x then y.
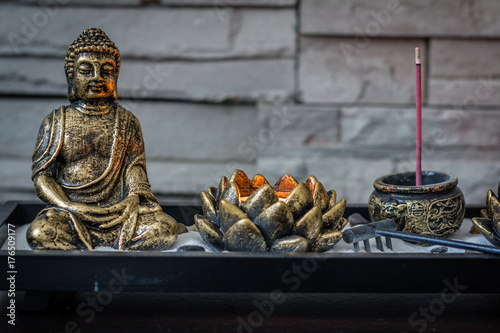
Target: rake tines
{"type": "Point", "coordinates": [387, 229]}
{"type": "Point", "coordinates": [367, 231]}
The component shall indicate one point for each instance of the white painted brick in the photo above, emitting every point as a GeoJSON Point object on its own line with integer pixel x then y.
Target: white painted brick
{"type": "Point", "coordinates": [63, 3]}
{"type": "Point", "coordinates": [381, 71]}
{"type": "Point", "coordinates": [263, 33]}
{"type": "Point", "coordinates": [476, 172]}
{"type": "Point", "coordinates": [166, 178]}
{"type": "Point", "coordinates": [388, 128]}
{"type": "Point", "coordinates": [378, 127]}
{"type": "Point", "coordinates": [153, 32]}
{"type": "Point", "coordinates": [190, 178]}
{"type": "Point", "coordinates": [142, 32]}
{"type": "Point", "coordinates": [172, 131]}
{"type": "Point", "coordinates": [21, 119]}
{"type": "Point", "coordinates": [220, 4]}
{"type": "Point", "coordinates": [236, 80]}
{"type": "Point", "coordinates": [16, 173]}
{"type": "Point", "coordinates": [351, 177]}
{"type": "Point", "coordinates": [464, 72]}
{"type": "Point", "coordinates": [182, 131]}
{"type": "Point", "coordinates": [466, 58]}
{"type": "Point", "coordinates": [455, 128]}
{"type": "Point", "coordinates": [468, 93]}
{"type": "Point", "coordinates": [282, 125]}
{"type": "Point", "coordinates": [423, 18]}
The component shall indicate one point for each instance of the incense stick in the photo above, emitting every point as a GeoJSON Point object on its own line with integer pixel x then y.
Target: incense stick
{"type": "Point", "coordinates": [418, 75]}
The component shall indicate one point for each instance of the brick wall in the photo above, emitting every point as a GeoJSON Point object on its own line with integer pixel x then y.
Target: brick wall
{"type": "Point", "coordinates": [270, 86]}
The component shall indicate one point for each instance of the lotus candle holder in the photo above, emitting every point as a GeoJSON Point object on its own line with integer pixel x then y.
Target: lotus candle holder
{"type": "Point", "coordinates": [489, 222]}
{"type": "Point", "coordinates": [244, 214]}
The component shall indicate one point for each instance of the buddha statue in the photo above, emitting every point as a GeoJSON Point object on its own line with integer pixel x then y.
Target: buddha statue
{"type": "Point", "coordinates": [89, 163]}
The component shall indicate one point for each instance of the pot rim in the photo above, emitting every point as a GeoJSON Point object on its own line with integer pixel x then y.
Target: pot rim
{"type": "Point", "coordinates": [381, 183]}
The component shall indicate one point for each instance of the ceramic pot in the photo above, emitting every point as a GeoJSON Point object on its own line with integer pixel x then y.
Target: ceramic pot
{"type": "Point", "coordinates": [437, 207]}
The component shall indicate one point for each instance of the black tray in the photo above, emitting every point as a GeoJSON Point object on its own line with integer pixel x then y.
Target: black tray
{"type": "Point", "coordinates": [243, 272]}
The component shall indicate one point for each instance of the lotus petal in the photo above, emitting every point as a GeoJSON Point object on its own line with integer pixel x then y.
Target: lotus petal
{"type": "Point", "coordinates": [488, 199]}
{"type": "Point", "coordinates": [229, 214]}
{"type": "Point", "coordinates": [309, 226]}
{"type": "Point", "coordinates": [326, 241]}
{"type": "Point", "coordinates": [213, 191]}
{"type": "Point", "coordinates": [332, 198]}
{"type": "Point", "coordinates": [311, 182]}
{"type": "Point", "coordinates": [244, 236]}
{"type": "Point", "coordinates": [333, 215]}
{"type": "Point", "coordinates": [496, 226]}
{"type": "Point", "coordinates": [258, 181]}
{"type": "Point", "coordinates": [260, 200]}
{"type": "Point", "coordinates": [300, 200]}
{"type": "Point", "coordinates": [290, 244]}
{"type": "Point", "coordinates": [284, 186]}
{"type": "Point", "coordinates": [209, 232]}
{"type": "Point", "coordinates": [222, 186]}
{"type": "Point", "coordinates": [208, 206]}
{"type": "Point", "coordinates": [493, 206]}
{"type": "Point", "coordinates": [240, 178]}
{"type": "Point", "coordinates": [231, 194]}
{"type": "Point", "coordinates": [320, 197]}
{"type": "Point", "coordinates": [486, 229]}
{"type": "Point", "coordinates": [275, 222]}
{"type": "Point", "coordinates": [242, 181]}
{"type": "Point", "coordinates": [484, 213]}
{"type": "Point", "coordinates": [343, 222]}
{"type": "Point", "coordinates": [286, 183]}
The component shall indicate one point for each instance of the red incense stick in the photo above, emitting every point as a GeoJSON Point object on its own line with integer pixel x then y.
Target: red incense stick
{"type": "Point", "coordinates": [418, 75]}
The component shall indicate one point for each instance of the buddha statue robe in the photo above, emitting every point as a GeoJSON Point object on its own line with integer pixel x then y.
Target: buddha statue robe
{"type": "Point", "coordinates": [123, 213]}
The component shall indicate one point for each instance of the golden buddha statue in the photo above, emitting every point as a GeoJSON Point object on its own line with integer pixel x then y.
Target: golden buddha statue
{"type": "Point", "coordinates": [89, 163]}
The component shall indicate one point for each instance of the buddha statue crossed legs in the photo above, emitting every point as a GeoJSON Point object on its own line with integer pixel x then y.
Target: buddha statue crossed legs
{"type": "Point", "coordinates": [89, 163]}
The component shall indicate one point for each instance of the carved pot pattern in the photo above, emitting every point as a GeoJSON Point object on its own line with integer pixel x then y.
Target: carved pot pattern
{"type": "Point", "coordinates": [437, 207]}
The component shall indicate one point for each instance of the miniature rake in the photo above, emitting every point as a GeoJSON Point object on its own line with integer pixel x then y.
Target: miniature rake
{"type": "Point", "coordinates": [387, 229]}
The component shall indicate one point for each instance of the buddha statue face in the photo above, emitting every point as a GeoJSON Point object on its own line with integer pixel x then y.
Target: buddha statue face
{"type": "Point", "coordinates": [91, 65]}
{"type": "Point", "coordinates": [95, 76]}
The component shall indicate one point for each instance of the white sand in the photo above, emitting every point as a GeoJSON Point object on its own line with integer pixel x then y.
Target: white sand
{"type": "Point", "coordinates": [399, 246]}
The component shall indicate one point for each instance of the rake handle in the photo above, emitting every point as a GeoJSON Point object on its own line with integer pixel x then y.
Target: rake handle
{"type": "Point", "coordinates": [433, 240]}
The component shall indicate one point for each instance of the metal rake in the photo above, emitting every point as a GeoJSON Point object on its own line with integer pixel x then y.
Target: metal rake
{"type": "Point", "coordinates": [387, 229]}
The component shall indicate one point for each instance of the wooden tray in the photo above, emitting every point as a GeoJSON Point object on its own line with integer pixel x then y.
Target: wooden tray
{"type": "Point", "coordinates": [243, 272]}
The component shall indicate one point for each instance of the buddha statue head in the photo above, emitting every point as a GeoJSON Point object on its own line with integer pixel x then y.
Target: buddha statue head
{"type": "Point", "coordinates": [92, 64]}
